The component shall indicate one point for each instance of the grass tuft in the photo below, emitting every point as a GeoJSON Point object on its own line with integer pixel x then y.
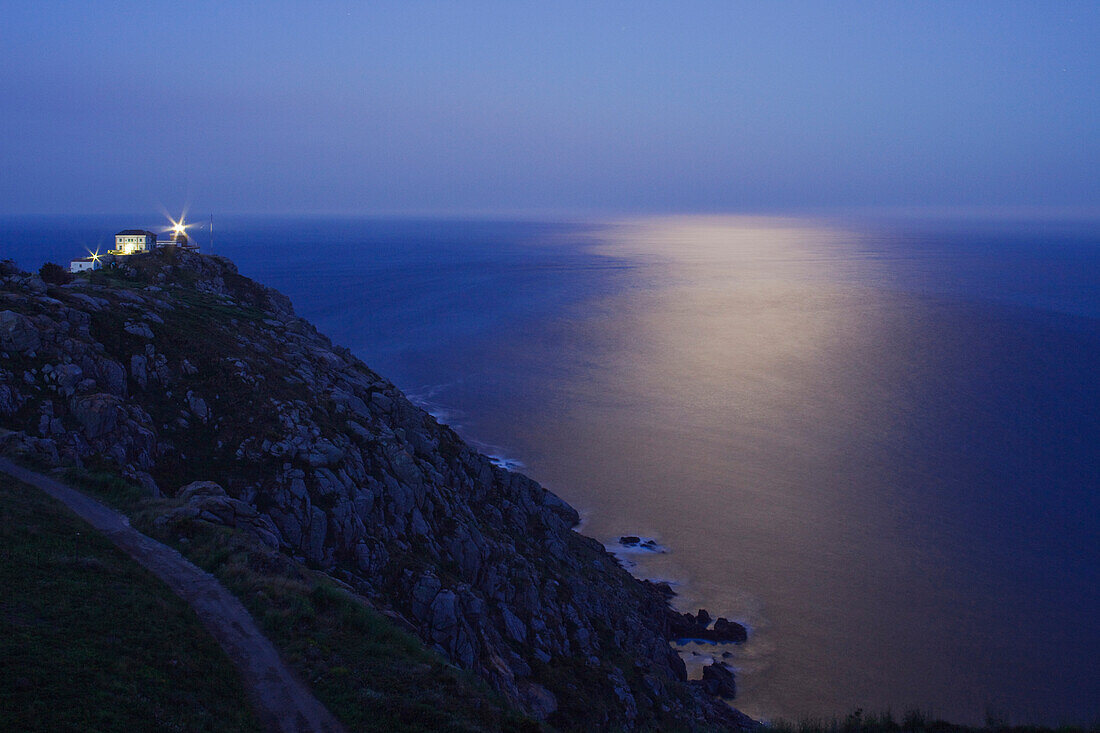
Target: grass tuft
{"type": "Point", "coordinates": [92, 641]}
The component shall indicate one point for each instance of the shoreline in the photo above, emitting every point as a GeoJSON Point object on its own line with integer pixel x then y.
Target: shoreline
{"type": "Point", "coordinates": [466, 554]}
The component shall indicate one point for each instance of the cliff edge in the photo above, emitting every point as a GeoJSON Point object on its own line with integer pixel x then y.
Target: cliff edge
{"type": "Point", "coordinates": [175, 369]}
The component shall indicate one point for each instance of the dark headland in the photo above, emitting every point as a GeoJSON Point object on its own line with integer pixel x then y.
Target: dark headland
{"type": "Point", "coordinates": [221, 414]}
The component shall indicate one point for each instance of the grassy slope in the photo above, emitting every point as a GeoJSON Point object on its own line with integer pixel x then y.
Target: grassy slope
{"type": "Point", "coordinates": [371, 674]}
{"type": "Point", "coordinates": [92, 641]}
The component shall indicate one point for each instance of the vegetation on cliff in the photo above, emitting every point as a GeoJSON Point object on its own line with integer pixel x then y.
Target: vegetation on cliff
{"type": "Point", "coordinates": [92, 641]}
{"type": "Point", "coordinates": [290, 468]}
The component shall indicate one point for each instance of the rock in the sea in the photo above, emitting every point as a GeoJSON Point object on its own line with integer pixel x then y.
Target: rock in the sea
{"type": "Point", "coordinates": [719, 680]}
{"type": "Point", "coordinates": [688, 626]}
{"type": "Point", "coordinates": [730, 630]}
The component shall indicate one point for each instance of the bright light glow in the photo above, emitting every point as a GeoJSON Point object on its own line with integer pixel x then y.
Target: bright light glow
{"type": "Point", "coordinates": [179, 227]}
{"type": "Point", "coordinates": [95, 255]}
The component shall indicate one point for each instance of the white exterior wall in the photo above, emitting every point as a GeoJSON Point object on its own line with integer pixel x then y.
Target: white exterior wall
{"type": "Point", "coordinates": [130, 243]}
{"type": "Point", "coordinates": [82, 265]}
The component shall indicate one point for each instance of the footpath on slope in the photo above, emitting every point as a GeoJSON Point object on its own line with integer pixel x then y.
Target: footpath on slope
{"type": "Point", "coordinates": [282, 702]}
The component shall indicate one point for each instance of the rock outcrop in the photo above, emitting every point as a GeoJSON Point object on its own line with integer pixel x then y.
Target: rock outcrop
{"type": "Point", "coordinates": [718, 679]}
{"type": "Point", "coordinates": [192, 380]}
{"type": "Point", "coordinates": [698, 627]}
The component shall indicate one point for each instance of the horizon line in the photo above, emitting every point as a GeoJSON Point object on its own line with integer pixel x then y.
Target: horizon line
{"type": "Point", "coordinates": [1004, 212]}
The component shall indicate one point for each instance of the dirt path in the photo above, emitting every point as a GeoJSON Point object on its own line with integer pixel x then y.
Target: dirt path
{"type": "Point", "coordinates": [281, 701]}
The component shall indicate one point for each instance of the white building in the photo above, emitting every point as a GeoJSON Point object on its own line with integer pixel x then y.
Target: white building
{"type": "Point", "coordinates": [178, 239]}
{"type": "Point", "coordinates": [85, 263]}
{"type": "Point", "coordinates": [134, 241]}
{"type": "Point", "coordinates": [130, 241]}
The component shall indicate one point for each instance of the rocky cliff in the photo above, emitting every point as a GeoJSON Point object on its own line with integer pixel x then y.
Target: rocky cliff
{"type": "Point", "coordinates": [175, 369]}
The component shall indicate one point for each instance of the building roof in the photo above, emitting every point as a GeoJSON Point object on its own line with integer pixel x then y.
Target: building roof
{"type": "Point", "coordinates": [128, 232]}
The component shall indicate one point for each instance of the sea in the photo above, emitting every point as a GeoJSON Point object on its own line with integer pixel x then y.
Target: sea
{"type": "Point", "coordinates": [874, 440]}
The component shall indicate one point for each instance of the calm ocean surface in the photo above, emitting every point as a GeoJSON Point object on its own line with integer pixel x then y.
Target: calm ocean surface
{"type": "Point", "coordinates": [876, 443]}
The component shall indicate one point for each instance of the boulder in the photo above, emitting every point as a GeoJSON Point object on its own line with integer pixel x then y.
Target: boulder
{"type": "Point", "coordinates": [97, 414]}
{"type": "Point", "coordinates": [382, 402]}
{"type": "Point", "coordinates": [423, 593]}
{"type": "Point", "coordinates": [513, 625]}
{"type": "Point", "coordinates": [207, 501]}
{"type": "Point", "coordinates": [10, 399]}
{"type": "Point", "coordinates": [198, 406]}
{"type": "Point", "coordinates": [443, 614]}
{"type": "Point", "coordinates": [68, 376]}
{"type": "Point", "coordinates": [21, 444]}
{"type": "Point", "coordinates": [318, 530]}
{"type": "Point", "coordinates": [538, 700]}
{"type": "Point", "coordinates": [200, 488]}
{"type": "Point", "coordinates": [138, 370]}
{"type": "Point", "coordinates": [18, 333]}
{"type": "Point", "coordinates": [138, 329]}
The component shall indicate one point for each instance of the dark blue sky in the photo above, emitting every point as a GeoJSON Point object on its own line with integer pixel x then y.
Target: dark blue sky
{"type": "Point", "coordinates": [423, 107]}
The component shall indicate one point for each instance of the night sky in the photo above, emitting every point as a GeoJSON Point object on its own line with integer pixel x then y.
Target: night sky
{"type": "Point", "coordinates": [541, 108]}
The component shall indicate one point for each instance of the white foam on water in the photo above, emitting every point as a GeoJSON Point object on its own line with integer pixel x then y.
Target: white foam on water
{"type": "Point", "coordinates": [644, 546]}
{"type": "Point", "coordinates": [497, 455]}
{"type": "Point", "coordinates": [510, 464]}
{"type": "Point", "coordinates": [425, 399]}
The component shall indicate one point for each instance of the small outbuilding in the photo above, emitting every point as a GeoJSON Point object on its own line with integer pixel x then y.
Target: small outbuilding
{"type": "Point", "coordinates": [178, 239]}
{"type": "Point", "coordinates": [85, 263]}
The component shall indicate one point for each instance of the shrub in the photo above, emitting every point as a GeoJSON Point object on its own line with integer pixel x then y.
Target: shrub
{"type": "Point", "coordinates": [54, 273]}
